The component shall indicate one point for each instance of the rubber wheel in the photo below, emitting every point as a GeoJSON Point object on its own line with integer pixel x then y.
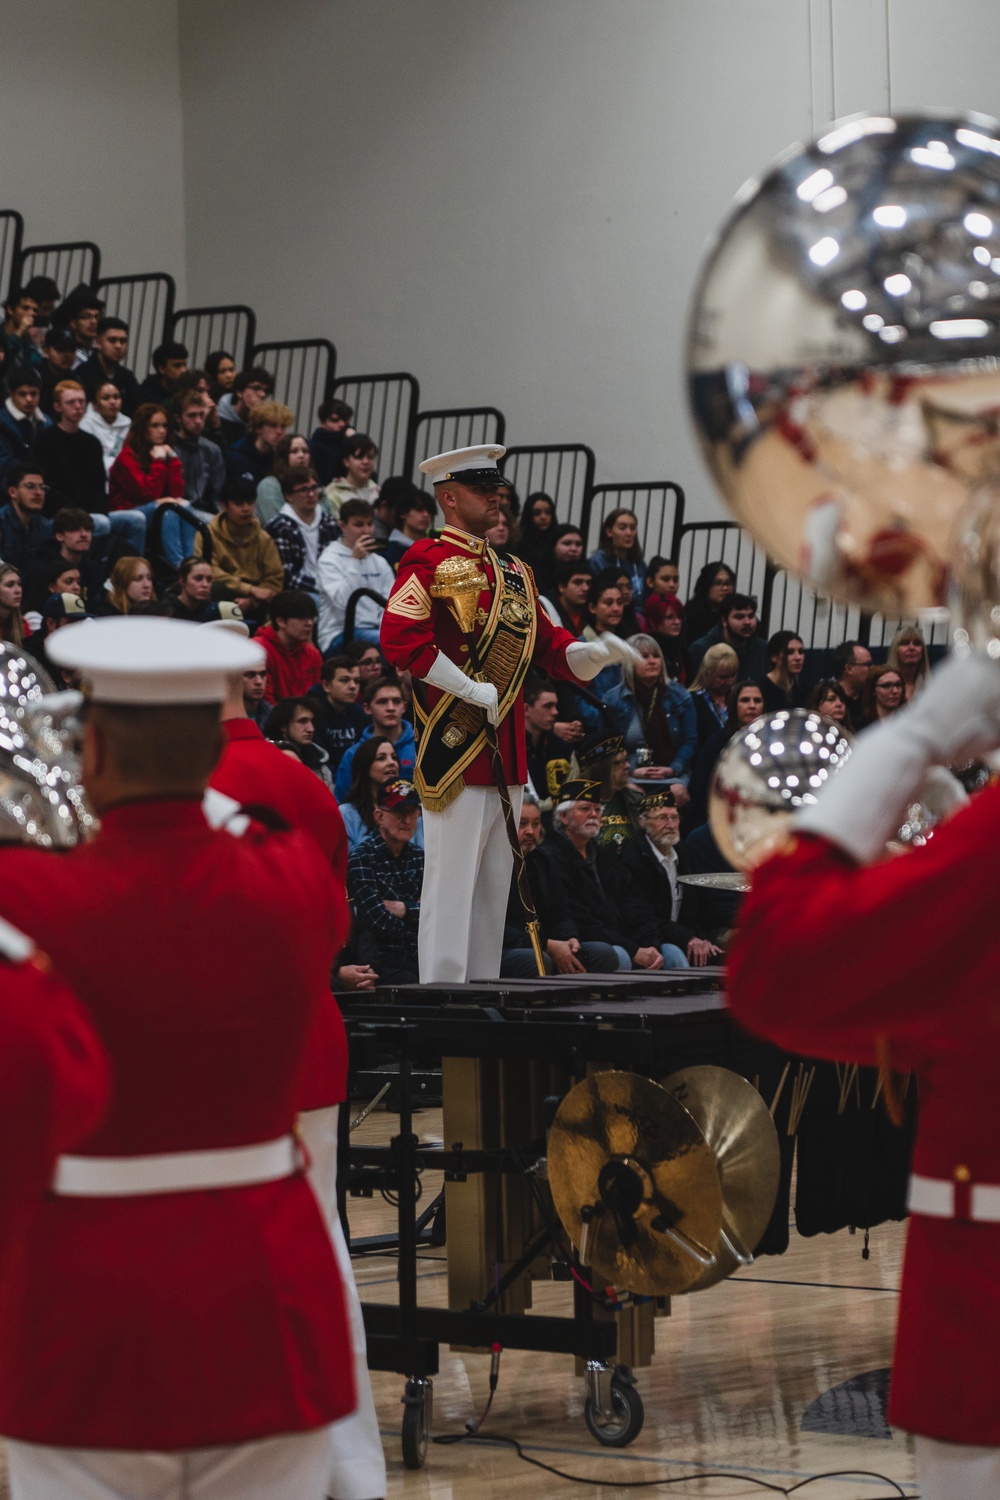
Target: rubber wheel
{"type": "Point", "coordinates": [414, 1435]}
{"type": "Point", "coordinates": [625, 1425]}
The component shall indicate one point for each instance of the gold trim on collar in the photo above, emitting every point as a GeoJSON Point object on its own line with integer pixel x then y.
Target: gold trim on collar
{"type": "Point", "coordinates": [460, 538]}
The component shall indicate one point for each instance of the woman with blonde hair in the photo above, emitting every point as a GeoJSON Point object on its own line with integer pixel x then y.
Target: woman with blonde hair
{"type": "Point", "coordinates": [655, 716]}
{"type": "Point", "coordinates": [908, 656]}
{"type": "Point", "coordinates": [131, 584]}
{"type": "Point", "coordinates": [11, 619]}
{"type": "Point", "coordinates": [714, 681]}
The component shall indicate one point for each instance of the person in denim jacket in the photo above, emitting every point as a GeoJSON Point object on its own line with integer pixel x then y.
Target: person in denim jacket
{"type": "Point", "coordinates": [655, 715]}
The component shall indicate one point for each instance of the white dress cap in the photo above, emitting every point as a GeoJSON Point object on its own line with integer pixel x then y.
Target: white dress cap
{"type": "Point", "coordinates": [466, 465]}
{"type": "Point", "coordinates": [150, 660]}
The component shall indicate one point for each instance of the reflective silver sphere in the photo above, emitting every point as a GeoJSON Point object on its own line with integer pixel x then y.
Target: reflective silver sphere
{"type": "Point", "coordinates": [766, 773]}
{"type": "Point", "coordinates": [843, 358]}
{"type": "Point", "coordinates": [41, 800]}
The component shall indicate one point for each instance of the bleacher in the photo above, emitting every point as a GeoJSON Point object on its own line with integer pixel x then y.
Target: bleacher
{"type": "Point", "coordinates": [387, 406]}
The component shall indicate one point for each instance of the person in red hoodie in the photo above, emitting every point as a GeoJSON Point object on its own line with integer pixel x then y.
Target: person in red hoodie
{"type": "Point", "coordinates": [293, 661]}
{"type": "Point", "coordinates": [146, 473]}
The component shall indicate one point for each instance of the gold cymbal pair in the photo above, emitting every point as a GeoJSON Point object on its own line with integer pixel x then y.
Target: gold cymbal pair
{"type": "Point", "coordinates": [664, 1189]}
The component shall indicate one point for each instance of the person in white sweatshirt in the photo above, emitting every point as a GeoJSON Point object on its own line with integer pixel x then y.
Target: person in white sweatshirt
{"type": "Point", "coordinates": [103, 419]}
{"type": "Point", "coordinates": [348, 564]}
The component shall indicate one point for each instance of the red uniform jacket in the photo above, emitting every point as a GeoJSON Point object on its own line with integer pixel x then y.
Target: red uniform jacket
{"type": "Point", "coordinates": [828, 959]}
{"type": "Point", "coordinates": [253, 771]}
{"type": "Point", "coordinates": [190, 1319]}
{"type": "Point", "coordinates": [129, 484]}
{"type": "Point", "coordinates": [290, 674]}
{"type": "Point", "coordinates": [55, 1083]}
{"type": "Point", "coordinates": [416, 626]}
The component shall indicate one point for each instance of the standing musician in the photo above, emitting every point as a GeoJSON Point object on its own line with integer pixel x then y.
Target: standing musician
{"type": "Point", "coordinates": [468, 857]}
{"type": "Point", "coordinates": [172, 1318]}
{"type": "Point", "coordinates": [910, 979]}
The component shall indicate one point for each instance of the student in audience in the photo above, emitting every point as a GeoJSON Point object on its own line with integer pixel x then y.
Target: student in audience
{"type": "Point", "coordinates": [291, 724]}
{"type": "Point", "coordinates": [884, 694]}
{"type": "Point", "coordinates": [72, 545]}
{"type": "Point", "coordinates": [301, 530]}
{"type": "Point", "coordinates": [504, 536]}
{"type": "Point", "coordinates": [170, 361]}
{"type": "Point", "coordinates": [787, 654]}
{"type": "Point", "coordinates": [47, 294]}
{"type": "Point", "coordinates": [572, 589]}
{"type": "Point", "coordinates": [23, 528]}
{"type": "Point", "coordinates": [131, 585]}
{"type": "Point", "coordinates": [220, 367]}
{"type": "Point", "coordinates": [80, 312]}
{"type": "Point", "coordinates": [147, 473]}
{"type": "Point", "coordinates": [670, 637]}
{"type": "Point", "coordinates": [663, 581]}
{"type": "Point", "coordinates": [293, 662]}
{"type": "Point", "coordinates": [827, 697]}
{"type": "Point", "coordinates": [656, 716]}
{"type": "Point", "coordinates": [20, 311]}
{"type": "Point", "coordinates": [340, 719]}
{"type": "Point", "coordinates": [746, 703]}
{"type": "Point", "coordinates": [57, 612]}
{"type": "Point", "coordinates": [254, 702]}
{"type": "Point", "coordinates": [738, 626]}
{"type": "Point", "coordinates": [908, 654]}
{"type": "Point", "coordinates": [197, 380]}
{"type": "Point", "coordinates": [191, 598]}
{"type": "Point", "coordinates": [12, 627]}
{"type": "Point", "coordinates": [348, 564]}
{"type": "Point", "coordinates": [620, 547]}
{"type": "Point", "coordinates": [538, 538]}
{"type": "Point", "coordinates": [63, 578]}
{"type": "Point", "coordinates": [327, 442]}
{"type": "Point", "coordinates": [413, 520]}
{"type": "Point", "coordinates": [359, 456]}
{"type": "Point", "coordinates": [568, 544]}
{"type": "Point", "coordinates": [252, 455]}
{"type": "Point", "coordinates": [71, 460]}
{"type": "Point", "coordinates": [604, 613]}
{"type": "Point", "coordinates": [246, 567]}
{"type": "Point", "coordinates": [372, 765]}
{"type": "Point", "coordinates": [851, 664]}
{"type": "Point", "coordinates": [368, 659]}
{"type": "Point", "coordinates": [292, 453]}
{"type": "Point", "coordinates": [249, 388]}
{"type": "Point", "coordinates": [548, 752]}
{"type": "Point", "coordinates": [58, 359]}
{"type": "Point", "coordinates": [201, 460]}
{"type": "Point", "coordinates": [384, 876]}
{"type": "Point", "coordinates": [106, 363]}
{"type": "Point", "coordinates": [715, 581]}
{"type": "Point", "coordinates": [633, 620]}
{"type": "Point", "coordinates": [385, 706]}
{"type": "Point", "coordinates": [105, 421]}
{"type": "Point", "coordinates": [396, 488]}
{"type": "Point", "coordinates": [20, 419]}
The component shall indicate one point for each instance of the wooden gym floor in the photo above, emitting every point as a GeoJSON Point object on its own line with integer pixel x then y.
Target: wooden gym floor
{"type": "Point", "coordinates": [736, 1368]}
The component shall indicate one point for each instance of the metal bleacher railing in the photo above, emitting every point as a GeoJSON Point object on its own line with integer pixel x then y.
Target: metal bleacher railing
{"type": "Point", "coordinates": [146, 303]}
{"type": "Point", "coordinates": [231, 326]}
{"type": "Point", "coordinates": [565, 471]}
{"type": "Point", "coordinates": [385, 407]}
{"type": "Point", "coordinates": [69, 263]}
{"type": "Point", "coordinates": [453, 427]}
{"type": "Point", "coordinates": [11, 235]}
{"type": "Point", "coordinates": [303, 371]}
{"type": "Point", "coordinates": [658, 506]}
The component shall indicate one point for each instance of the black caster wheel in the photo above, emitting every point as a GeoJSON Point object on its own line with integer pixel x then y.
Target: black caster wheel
{"type": "Point", "coordinates": [625, 1423]}
{"type": "Point", "coordinates": [416, 1423]}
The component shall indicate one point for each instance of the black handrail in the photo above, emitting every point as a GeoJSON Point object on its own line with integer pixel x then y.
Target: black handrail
{"type": "Point", "coordinates": [162, 570]}
{"type": "Point", "coordinates": [294, 384]}
{"type": "Point", "coordinates": [225, 325]}
{"type": "Point", "coordinates": [11, 237]}
{"type": "Point", "coordinates": [555, 468]}
{"type": "Point", "coordinates": [146, 304]}
{"type": "Point", "coordinates": [379, 401]}
{"type": "Point", "coordinates": [352, 609]}
{"type": "Point", "coordinates": [68, 262]}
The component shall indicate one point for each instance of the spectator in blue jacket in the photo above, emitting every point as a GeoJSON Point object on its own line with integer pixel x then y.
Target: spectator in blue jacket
{"type": "Point", "coordinates": [384, 704]}
{"type": "Point", "coordinates": [20, 421]}
{"type": "Point", "coordinates": [24, 531]}
{"type": "Point", "coordinates": [654, 715]}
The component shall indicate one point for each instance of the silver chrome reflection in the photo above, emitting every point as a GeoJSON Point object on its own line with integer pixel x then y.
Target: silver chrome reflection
{"type": "Point", "coordinates": [844, 353]}
{"type": "Point", "coordinates": [767, 772]}
{"type": "Point", "coordinates": [41, 800]}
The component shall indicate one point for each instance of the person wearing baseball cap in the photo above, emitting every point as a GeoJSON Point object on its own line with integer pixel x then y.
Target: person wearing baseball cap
{"type": "Point", "coordinates": [384, 879]}
{"type": "Point", "coordinates": [181, 1251]}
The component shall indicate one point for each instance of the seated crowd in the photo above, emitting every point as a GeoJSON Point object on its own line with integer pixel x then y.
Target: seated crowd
{"type": "Point", "coordinates": [188, 494]}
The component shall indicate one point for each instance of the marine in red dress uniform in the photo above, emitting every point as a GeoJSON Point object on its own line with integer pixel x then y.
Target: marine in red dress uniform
{"type": "Point", "coordinates": [468, 860]}
{"type": "Point", "coordinates": [845, 954]}
{"type": "Point", "coordinates": [210, 1315]}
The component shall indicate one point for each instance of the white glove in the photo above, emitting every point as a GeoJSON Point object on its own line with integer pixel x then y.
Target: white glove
{"type": "Point", "coordinates": [586, 658]}
{"type": "Point", "coordinates": [956, 718]}
{"type": "Point", "coordinates": [449, 677]}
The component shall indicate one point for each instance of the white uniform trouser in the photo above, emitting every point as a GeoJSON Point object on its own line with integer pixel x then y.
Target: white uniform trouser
{"type": "Point", "coordinates": [357, 1470]}
{"type": "Point", "coordinates": [274, 1468]}
{"type": "Point", "coordinates": [957, 1471]}
{"type": "Point", "coordinates": [463, 901]}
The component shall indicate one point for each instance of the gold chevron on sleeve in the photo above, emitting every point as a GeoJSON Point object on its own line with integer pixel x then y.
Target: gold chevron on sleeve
{"type": "Point", "coordinates": [412, 601]}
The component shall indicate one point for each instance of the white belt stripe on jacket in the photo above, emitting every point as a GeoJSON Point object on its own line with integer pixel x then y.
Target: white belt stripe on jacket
{"type": "Point", "coordinates": [935, 1198]}
{"type": "Point", "coordinates": [176, 1171]}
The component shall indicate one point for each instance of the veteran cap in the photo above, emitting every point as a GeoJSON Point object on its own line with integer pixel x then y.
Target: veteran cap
{"type": "Point", "coordinates": [605, 748]}
{"type": "Point", "coordinates": [476, 467]}
{"type": "Point", "coordinates": [653, 800]}
{"type": "Point", "coordinates": [149, 662]}
{"type": "Point", "coordinates": [579, 790]}
{"type": "Point", "coordinates": [396, 795]}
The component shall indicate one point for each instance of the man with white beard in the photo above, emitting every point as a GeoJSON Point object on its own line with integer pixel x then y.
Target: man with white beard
{"type": "Point", "coordinates": [655, 866]}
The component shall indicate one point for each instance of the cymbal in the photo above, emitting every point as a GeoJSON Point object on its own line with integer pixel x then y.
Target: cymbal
{"type": "Point", "coordinates": [635, 1184]}
{"type": "Point", "coordinates": [738, 1127]}
{"type": "Point", "coordinates": [722, 880]}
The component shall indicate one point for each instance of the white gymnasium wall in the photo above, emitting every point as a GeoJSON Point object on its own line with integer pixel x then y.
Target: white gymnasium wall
{"type": "Point", "coordinates": [90, 127]}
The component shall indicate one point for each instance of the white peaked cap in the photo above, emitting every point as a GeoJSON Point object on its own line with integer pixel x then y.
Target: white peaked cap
{"type": "Point", "coordinates": [479, 463]}
{"type": "Point", "coordinates": [148, 660]}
